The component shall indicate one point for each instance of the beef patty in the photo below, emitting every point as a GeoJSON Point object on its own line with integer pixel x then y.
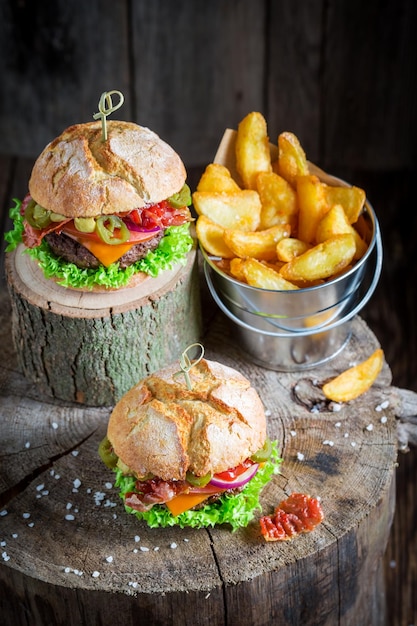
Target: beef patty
{"type": "Point", "coordinates": [70, 250]}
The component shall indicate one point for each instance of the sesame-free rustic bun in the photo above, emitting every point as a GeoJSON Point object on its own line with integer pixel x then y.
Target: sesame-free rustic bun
{"type": "Point", "coordinates": [80, 175]}
{"type": "Point", "coordinates": [161, 427]}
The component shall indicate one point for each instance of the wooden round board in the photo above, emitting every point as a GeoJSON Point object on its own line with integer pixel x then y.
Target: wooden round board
{"type": "Point", "coordinates": [71, 555]}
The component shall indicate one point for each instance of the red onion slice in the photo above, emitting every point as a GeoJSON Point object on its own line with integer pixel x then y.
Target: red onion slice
{"type": "Point", "coordinates": [239, 481]}
{"type": "Point", "coordinates": [139, 229]}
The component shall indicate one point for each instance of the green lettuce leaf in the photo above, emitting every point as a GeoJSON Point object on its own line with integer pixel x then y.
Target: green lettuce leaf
{"type": "Point", "coordinates": [234, 509]}
{"type": "Point", "coordinates": [172, 249]}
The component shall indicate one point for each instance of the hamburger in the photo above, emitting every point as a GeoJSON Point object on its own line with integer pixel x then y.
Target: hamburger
{"type": "Point", "coordinates": [190, 455]}
{"type": "Point", "coordinates": [105, 213]}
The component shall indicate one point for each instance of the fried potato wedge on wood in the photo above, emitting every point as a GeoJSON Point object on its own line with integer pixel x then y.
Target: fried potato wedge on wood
{"type": "Point", "coordinates": [335, 222]}
{"type": "Point", "coordinates": [312, 204]}
{"type": "Point", "coordinates": [264, 277]}
{"type": "Point", "coordinates": [292, 161]}
{"type": "Point", "coordinates": [217, 177]}
{"type": "Point", "coordinates": [352, 200]}
{"type": "Point", "coordinates": [253, 154]}
{"type": "Point", "coordinates": [261, 244]}
{"type": "Point", "coordinates": [354, 381]}
{"type": "Point", "coordinates": [322, 261]}
{"type": "Point", "coordinates": [211, 237]}
{"type": "Point", "coordinates": [240, 210]}
{"type": "Point", "coordinates": [278, 199]}
{"type": "Point", "coordinates": [290, 247]}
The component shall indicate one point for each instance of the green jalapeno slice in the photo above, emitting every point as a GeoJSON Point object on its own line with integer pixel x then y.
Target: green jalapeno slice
{"type": "Point", "coordinates": [37, 216]}
{"type": "Point", "coordinates": [107, 454]}
{"type": "Point", "coordinates": [85, 224]}
{"type": "Point", "coordinates": [182, 198]}
{"type": "Point", "coordinates": [264, 453]}
{"type": "Point", "coordinates": [198, 481]}
{"type": "Point", "coordinates": [112, 230]}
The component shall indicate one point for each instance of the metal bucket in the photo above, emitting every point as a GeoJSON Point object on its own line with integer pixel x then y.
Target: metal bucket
{"type": "Point", "coordinates": [294, 330]}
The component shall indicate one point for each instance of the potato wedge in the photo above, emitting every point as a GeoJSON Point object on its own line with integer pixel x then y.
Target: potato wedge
{"type": "Point", "coordinates": [259, 275]}
{"type": "Point", "coordinates": [240, 210]}
{"type": "Point", "coordinates": [210, 235]}
{"type": "Point", "coordinates": [252, 149]}
{"type": "Point", "coordinates": [322, 261]}
{"type": "Point", "coordinates": [312, 206]}
{"type": "Point", "coordinates": [292, 161]}
{"type": "Point", "coordinates": [356, 380]}
{"type": "Point", "coordinates": [290, 247]}
{"type": "Point", "coordinates": [261, 244]}
{"type": "Point", "coordinates": [352, 200]}
{"type": "Point", "coordinates": [335, 222]}
{"type": "Point", "coordinates": [236, 269]}
{"type": "Point", "coordinates": [278, 199]}
{"type": "Point", "coordinates": [217, 178]}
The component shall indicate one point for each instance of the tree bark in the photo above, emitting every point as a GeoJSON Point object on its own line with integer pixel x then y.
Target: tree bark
{"type": "Point", "coordinates": [92, 347]}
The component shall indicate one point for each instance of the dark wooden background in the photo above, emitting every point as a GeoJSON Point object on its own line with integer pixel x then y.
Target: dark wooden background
{"type": "Point", "coordinates": [341, 74]}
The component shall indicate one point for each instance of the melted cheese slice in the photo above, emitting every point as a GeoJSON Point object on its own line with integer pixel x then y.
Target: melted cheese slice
{"type": "Point", "coordinates": [185, 501]}
{"type": "Point", "coordinates": [107, 254]}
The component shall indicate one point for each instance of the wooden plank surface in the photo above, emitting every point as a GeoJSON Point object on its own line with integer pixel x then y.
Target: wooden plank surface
{"type": "Point", "coordinates": [340, 74]}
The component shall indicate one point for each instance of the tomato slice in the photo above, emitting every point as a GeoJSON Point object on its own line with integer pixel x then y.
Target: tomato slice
{"type": "Point", "coordinates": [234, 472]}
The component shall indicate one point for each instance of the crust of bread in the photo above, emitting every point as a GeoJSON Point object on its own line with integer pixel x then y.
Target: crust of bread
{"type": "Point", "coordinates": [163, 428]}
{"type": "Point", "coordinates": [79, 175]}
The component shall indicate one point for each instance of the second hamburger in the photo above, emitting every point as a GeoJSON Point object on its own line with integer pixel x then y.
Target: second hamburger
{"type": "Point", "coordinates": [193, 455]}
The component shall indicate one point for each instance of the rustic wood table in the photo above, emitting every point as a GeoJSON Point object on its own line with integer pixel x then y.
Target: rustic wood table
{"type": "Point", "coordinates": [71, 555]}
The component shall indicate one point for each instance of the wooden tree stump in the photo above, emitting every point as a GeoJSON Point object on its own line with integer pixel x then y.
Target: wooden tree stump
{"type": "Point", "coordinates": [71, 555]}
{"type": "Point", "coordinates": [92, 347]}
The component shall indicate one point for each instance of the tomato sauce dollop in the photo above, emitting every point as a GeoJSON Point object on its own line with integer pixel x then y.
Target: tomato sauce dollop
{"type": "Point", "coordinates": [299, 513]}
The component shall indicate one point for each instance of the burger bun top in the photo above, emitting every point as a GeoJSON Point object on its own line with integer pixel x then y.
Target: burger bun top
{"type": "Point", "coordinates": [80, 175]}
{"type": "Point", "coordinates": [163, 428]}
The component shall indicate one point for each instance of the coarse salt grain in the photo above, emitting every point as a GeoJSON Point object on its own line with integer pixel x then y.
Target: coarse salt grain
{"type": "Point", "coordinates": [144, 549]}
{"type": "Point", "coordinates": [137, 538]}
{"type": "Point", "coordinates": [26, 515]}
{"type": "Point", "coordinates": [15, 535]}
{"type": "Point", "coordinates": [156, 548]}
{"type": "Point", "coordinates": [75, 452]}
{"type": "Point", "coordinates": [370, 427]}
{"type": "Point", "coordinates": [77, 483]}
{"type": "Point", "coordinates": [108, 485]}
{"type": "Point", "coordinates": [384, 419]}
{"type": "Point", "coordinates": [95, 574]}
{"type": "Point", "coordinates": [54, 425]}
{"type": "Point", "coordinates": [328, 442]}
{"type": "Point", "coordinates": [40, 487]}
{"type": "Point", "coordinates": [3, 512]}
{"type": "Point", "coordinates": [70, 518]}
{"type": "Point", "coordinates": [353, 444]}
{"type": "Point", "coordinates": [173, 545]}
{"type": "Point", "coordinates": [336, 407]}
{"type": "Point", "coordinates": [293, 433]}
{"type": "Point", "coordinates": [338, 424]}
{"type": "Point", "coordinates": [31, 524]}
{"type": "Point", "coordinates": [27, 444]}
{"type": "Point", "coordinates": [109, 559]}
{"type": "Point", "coordinates": [5, 556]}
{"type": "Point", "coordinates": [300, 456]}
